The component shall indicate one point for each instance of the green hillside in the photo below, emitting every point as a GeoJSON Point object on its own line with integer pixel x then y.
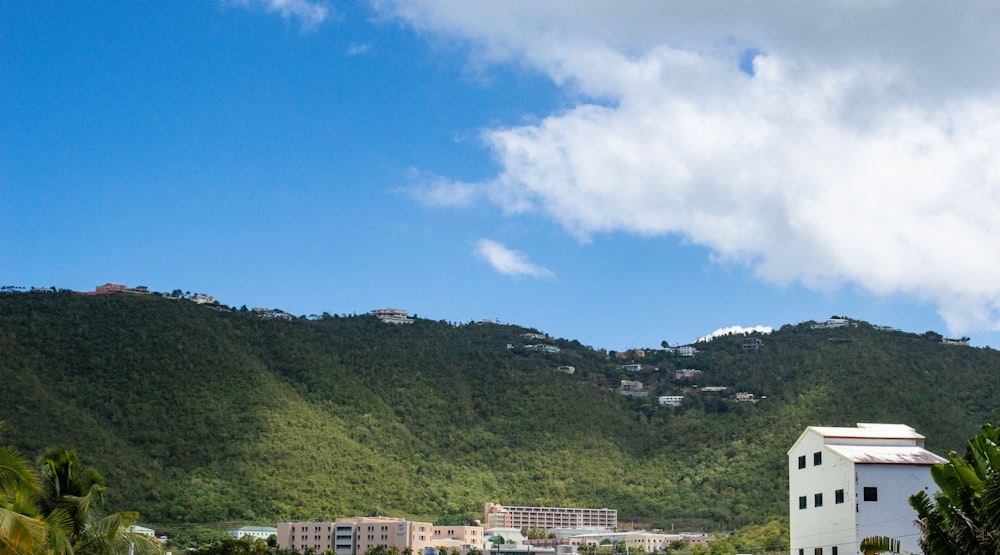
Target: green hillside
{"type": "Point", "coordinates": [197, 415]}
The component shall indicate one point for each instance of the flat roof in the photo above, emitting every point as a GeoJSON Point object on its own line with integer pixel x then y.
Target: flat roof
{"type": "Point", "coordinates": [882, 454]}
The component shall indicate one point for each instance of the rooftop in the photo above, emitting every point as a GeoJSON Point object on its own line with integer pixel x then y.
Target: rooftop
{"type": "Point", "coordinates": [868, 454]}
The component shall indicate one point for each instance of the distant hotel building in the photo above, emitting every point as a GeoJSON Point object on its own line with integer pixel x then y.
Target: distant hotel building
{"type": "Point", "coordinates": [355, 535]}
{"type": "Point", "coordinates": [499, 516]}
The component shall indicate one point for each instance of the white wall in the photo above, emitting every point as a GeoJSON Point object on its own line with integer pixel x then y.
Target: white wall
{"type": "Point", "coordinates": [832, 524]}
{"type": "Point", "coordinates": [892, 515]}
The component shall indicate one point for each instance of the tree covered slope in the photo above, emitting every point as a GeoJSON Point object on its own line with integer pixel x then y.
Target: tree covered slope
{"type": "Point", "coordinates": [202, 416]}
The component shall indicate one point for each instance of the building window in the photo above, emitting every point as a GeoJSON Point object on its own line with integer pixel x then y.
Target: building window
{"type": "Point", "coordinates": [802, 461]}
{"type": "Point", "coordinates": [833, 550]}
{"type": "Point", "coordinates": [818, 551]}
{"type": "Point", "coordinates": [802, 552]}
{"type": "Point", "coordinates": [838, 498]}
{"type": "Point", "coordinates": [818, 460]}
{"type": "Point", "coordinates": [818, 500]}
{"type": "Point", "coordinates": [871, 494]}
{"type": "Point", "coordinates": [802, 502]}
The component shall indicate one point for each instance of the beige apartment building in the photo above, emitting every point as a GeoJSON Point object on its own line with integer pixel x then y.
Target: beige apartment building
{"type": "Point", "coordinates": [500, 516]}
{"type": "Point", "coordinates": [355, 535]}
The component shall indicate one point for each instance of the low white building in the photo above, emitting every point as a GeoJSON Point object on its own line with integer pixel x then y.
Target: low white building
{"type": "Point", "coordinates": [847, 484]}
{"type": "Point", "coordinates": [255, 532]}
{"type": "Point", "coordinates": [671, 400]}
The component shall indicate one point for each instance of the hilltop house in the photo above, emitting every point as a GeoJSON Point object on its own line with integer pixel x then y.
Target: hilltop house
{"type": "Point", "coordinates": [392, 315]}
{"type": "Point", "coordinates": [832, 323]}
{"type": "Point", "coordinates": [846, 484]}
{"type": "Point", "coordinates": [964, 341]}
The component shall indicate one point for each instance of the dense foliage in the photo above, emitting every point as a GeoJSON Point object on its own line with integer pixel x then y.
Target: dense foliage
{"type": "Point", "coordinates": [57, 510]}
{"type": "Point", "coordinates": [219, 417]}
{"type": "Point", "coordinates": [964, 517]}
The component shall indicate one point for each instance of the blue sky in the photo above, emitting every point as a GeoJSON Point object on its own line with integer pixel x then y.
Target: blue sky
{"type": "Point", "coordinates": [617, 173]}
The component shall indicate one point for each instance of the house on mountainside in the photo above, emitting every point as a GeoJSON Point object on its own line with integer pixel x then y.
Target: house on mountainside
{"type": "Point", "coordinates": [847, 484]}
{"type": "Point", "coordinates": [392, 315]}
{"type": "Point", "coordinates": [744, 397]}
{"type": "Point", "coordinates": [832, 323]}
{"type": "Point", "coordinates": [541, 348]}
{"type": "Point", "coordinates": [670, 400]}
{"type": "Point", "coordinates": [964, 341]}
{"type": "Point", "coordinates": [631, 386]}
{"type": "Point", "coordinates": [686, 373]}
{"type": "Point", "coordinates": [269, 314]}
{"type": "Point", "coordinates": [686, 351]}
{"type": "Point", "coordinates": [750, 344]}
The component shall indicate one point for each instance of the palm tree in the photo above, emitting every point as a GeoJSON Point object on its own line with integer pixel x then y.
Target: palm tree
{"type": "Point", "coordinates": [21, 531]}
{"type": "Point", "coordinates": [879, 544]}
{"type": "Point", "coordinates": [70, 499]}
{"type": "Point", "coordinates": [964, 517]}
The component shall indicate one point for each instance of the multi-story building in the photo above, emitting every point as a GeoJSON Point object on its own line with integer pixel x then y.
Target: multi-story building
{"type": "Point", "coordinates": [499, 516]}
{"type": "Point", "coordinates": [846, 484]}
{"type": "Point", "coordinates": [355, 535]}
{"type": "Point", "coordinates": [686, 351]}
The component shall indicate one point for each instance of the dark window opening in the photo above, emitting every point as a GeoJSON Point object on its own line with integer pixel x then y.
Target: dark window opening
{"type": "Point", "coordinates": [802, 461]}
{"type": "Point", "coordinates": [802, 502]}
{"type": "Point", "coordinates": [838, 496]}
{"type": "Point", "coordinates": [871, 494]}
{"type": "Point", "coordinates": [818, 460]}
{"type": "Point", "coordinates": [818, 500]}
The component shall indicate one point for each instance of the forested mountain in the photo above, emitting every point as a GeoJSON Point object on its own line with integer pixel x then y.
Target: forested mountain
{"type": "Point", "coordinates": [196, 415]}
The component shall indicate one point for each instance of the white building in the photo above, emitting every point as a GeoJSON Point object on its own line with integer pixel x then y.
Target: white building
{"type": "Point", "coordinates": [392, 315]}
{"type": "Point", "coordinates": [671, 400]}
{"type": "Point", "coordinates": [255, 532]}
{"type": "Point", "coordinates": [847, 484]}
{"type": "Point", "coordinates": [686, 351]}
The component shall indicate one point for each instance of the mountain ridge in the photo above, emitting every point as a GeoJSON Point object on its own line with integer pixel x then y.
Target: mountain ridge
{"type": "Point", "coordinates": [202, 416]}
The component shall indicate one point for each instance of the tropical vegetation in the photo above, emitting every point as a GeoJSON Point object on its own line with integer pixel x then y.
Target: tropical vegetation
{"type": "Point", "coordinates": [57, 510]}
{"type": "Point", "coordinates": [964, 516]}
{"type": "Point", "coordinates": [208, 418]}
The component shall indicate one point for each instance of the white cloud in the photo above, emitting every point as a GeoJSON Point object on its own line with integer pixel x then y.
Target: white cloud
{"type": "Point", "coordinates": [438, 191]}
{"type": "Point", "coordinates": [864, 149]}
{"type": "Point", "coordinates": [733, 330]}
{"type": "Point", "coordinates": [357, 49]}
{"type": "Point", "coordinates": [509, 262]}
{"type": "Point", "coordinates": [309, 13]}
